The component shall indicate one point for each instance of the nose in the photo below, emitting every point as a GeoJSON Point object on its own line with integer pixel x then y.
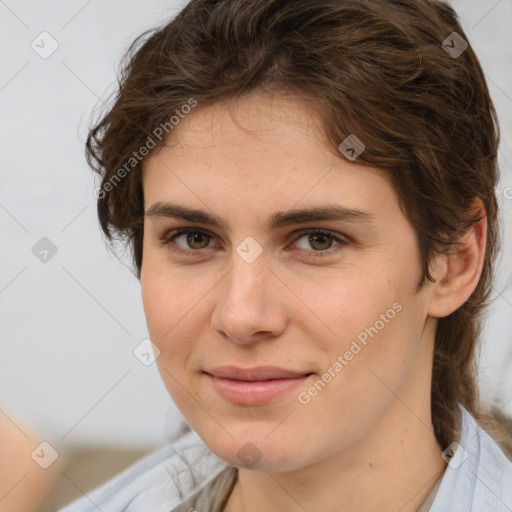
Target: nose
{"type": "Point", "coordinates": [250, 305]}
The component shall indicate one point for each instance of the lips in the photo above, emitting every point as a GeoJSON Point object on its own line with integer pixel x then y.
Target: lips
{"type": "Point", "coordinates": [255, 373]}
{"type": "Point", "coordinates": [254, 386]}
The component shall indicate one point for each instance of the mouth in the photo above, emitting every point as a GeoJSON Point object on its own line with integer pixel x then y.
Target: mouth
{"type": "Point", "coordinates": [254, 386]}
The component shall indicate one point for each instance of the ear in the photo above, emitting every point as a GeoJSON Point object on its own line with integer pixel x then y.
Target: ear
{"type": "Point", "coordinates": [457, 274]}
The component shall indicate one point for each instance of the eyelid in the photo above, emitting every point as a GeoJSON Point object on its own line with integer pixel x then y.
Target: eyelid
{"type": "Point", "coordinates": [342, 239]}
{"type": "Point", "coordinates": [167, 239]}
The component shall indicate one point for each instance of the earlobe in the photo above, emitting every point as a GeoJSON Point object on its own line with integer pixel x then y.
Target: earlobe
{"type": "Point", "coordinates": [461, 271]}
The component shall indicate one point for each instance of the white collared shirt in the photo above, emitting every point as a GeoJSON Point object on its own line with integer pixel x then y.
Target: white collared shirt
{"type": "Point", "coordinates": [478, 478]}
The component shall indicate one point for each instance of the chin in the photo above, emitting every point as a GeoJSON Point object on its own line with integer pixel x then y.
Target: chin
{"type": "Point", "coordinates": [252, 449]}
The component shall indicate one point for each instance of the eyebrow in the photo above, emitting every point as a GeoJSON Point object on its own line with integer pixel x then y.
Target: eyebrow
{"type": "Point", "coordinates": [276, 220]}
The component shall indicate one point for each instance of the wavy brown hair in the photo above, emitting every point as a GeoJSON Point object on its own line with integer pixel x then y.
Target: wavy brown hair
{"type": "Point", "coordinates": [373, 68]}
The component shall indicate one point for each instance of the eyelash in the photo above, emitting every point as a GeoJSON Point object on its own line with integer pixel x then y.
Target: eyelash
{"type": "Point", "coordinates": [169, 238]}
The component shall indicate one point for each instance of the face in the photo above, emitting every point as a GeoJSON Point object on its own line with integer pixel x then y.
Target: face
{"type": "Point", "coordinates": [294, 258]}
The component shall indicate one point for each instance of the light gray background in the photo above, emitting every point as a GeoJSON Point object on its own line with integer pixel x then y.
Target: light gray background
{"type": "Point", "coordinates": [68, 327]}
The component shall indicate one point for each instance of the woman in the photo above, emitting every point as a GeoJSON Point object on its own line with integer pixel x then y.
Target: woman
{"type": "Point", "coordinates": [307, 190]}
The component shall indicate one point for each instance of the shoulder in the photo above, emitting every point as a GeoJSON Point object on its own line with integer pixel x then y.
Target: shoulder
{"type": "Point", "coordinates": [157, 482]}
{"type": "Point", "coordinates": [478, 476]}
{"type": "Point", "coordinates": [494, 476]}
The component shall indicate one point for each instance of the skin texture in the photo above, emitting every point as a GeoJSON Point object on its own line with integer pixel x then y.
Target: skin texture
{"type": "Point", "coordinates": [366, 439]}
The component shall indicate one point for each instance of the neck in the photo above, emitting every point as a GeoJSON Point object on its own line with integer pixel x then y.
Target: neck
{"type": "Point", "coordinates": [387, 472]}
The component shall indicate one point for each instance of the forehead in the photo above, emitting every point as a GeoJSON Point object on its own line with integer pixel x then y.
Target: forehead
{"type": "Point", "coordinates": [256, 117]}
{"type": "Point", "coordinates": [258, 151]}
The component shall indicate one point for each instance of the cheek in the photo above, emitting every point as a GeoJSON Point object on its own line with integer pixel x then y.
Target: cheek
{"type": "Point", "coordinates": [345, 307]}
{"type": "Point", "coordinates": [169, 309]}
{"type": "Point", "coordinates": [388, 347]}
{"type": "Point", "coordinates": [168, 296]}
{"type": "Point", "coordinates": [175, 306]}
{"type": "Point", "coordinates": [374, 323]}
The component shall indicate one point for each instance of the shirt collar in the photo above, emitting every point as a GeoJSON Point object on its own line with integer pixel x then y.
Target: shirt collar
{"type": "Point", "coordinates": [475, 473]}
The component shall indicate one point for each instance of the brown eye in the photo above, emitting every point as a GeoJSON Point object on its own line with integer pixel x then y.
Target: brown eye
{"type": "Point", "coordinates": [196, 240]}
{"type": "Point", "coordinates": [193, 241]}
{"type": "Point", "coordinates": [318, 241]}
